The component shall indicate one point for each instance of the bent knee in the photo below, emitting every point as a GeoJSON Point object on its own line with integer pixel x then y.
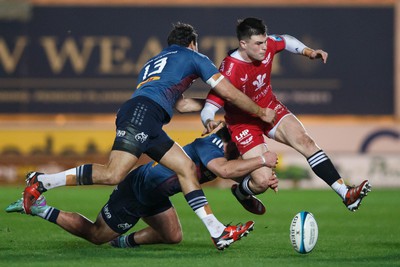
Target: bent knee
{"type": "Point", "coordinates": [96, 241]}
{"type": "Point", "coordinates": [174, 238]}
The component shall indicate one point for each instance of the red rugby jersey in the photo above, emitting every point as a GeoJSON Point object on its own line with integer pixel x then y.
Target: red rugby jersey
{"type": "Point", "coordinates": [253, 79]}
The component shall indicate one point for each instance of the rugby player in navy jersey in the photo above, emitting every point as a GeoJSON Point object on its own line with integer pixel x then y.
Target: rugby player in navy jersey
{"type": "Point", "coordinates": [144, 194]}
{"type": "Point", "coordinates": [139, 123]}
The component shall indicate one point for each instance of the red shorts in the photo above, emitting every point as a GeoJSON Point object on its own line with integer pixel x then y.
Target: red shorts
{"type": "Point", "coordinates": [248, 131]}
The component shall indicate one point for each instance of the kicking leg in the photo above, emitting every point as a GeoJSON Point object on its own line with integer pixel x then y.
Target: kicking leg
{"type": "Point", "coordinates": [291, 132]}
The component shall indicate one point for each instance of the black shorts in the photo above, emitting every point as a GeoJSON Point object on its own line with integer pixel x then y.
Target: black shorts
{"type": "Point", "coordinates": [124, 208]}
{"type": "Point", "coordinates": [139, 125]}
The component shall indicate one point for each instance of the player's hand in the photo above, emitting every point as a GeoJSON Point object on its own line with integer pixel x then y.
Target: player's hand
{"type": "Point", "coordinates": [268, 115]}
{"type": "Point", "coordinates": [273, 182]}
{"type": "Point", "coordinates": [319, 54]}
{"type": "Point", "coordinates": [271, 159]}
{"type": "Point", "coordinates": [210, 126]}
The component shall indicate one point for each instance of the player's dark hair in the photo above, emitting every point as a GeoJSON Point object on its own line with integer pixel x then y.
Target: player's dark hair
{"type": "Point", "coordinates": [250, 26]}
{"type": "Point", "coordinates": [182, 34]}
{"type": "Point", "coordinates": [224, 134]}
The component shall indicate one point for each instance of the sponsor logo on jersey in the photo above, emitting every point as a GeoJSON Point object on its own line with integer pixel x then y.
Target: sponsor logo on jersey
{"type": "Point", "coordinates": [260, 81]}
{"type": "Point", "coordinates": [246, 77]}
{"type": "Point", "coordinates": [267, 59]}
{"type": "Point", "coordinates": [229, 71]}
{"type": "Point", "coordinates": [222, 67]}
{"type": "Point", "coordinates": [275, 37]}
{"type": "Point", "coordinates": [154, 78]}
{"type": "Point", "coordinates": [141, 137]}
{"type": "Point", "coordinates": [107, 212]}
{"type": "Point", "coordinates": [124, 226]}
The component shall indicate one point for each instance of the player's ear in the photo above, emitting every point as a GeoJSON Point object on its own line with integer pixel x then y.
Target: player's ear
{"type": "Point", "coordinates": [242, 44]}
{"type": "Point", "coordinates": [193, 46]}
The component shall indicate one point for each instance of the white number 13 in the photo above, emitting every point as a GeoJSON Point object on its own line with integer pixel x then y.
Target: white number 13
{"type": "Point", "coordinates": [157, 67]}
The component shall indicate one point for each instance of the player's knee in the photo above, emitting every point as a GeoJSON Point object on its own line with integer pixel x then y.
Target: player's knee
{"type": "Point", "coordinates": [174, 237]}
{"type": "Point", "coordinates": [94, 239]}
{"type": "Point", "coordinates": [186, 168]}
{"type": "Point", "coordinates": [112, 177]}
{"type": "Point", "coordinates": [259, 183]}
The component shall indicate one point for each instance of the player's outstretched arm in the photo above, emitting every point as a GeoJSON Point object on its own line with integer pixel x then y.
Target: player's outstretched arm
{"type": "Point", "coordinates": [241, 167]}
{"type": "Point", "coordinates": [295, 46]}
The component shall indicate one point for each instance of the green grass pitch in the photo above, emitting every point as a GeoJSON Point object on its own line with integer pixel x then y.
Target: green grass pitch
{"type": "Point", "coordinates": [368, 237]}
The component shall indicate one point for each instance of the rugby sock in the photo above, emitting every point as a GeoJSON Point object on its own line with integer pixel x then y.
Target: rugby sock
{"type": "Point", "coordinates": [340, 187]}
{"type": "Point", "coordinates": [199, 204]}
{"type": "Point", "coordinates": [243, 191]}
{"type": "Point", "coordinates": [130, 240]}
{"type": "Point", "coordinates": [50, 214]}
{"type": "Point", "coordinates": [84, 174]}
{"type": "Point", "coordinates": [50, 181]}
{"type": "Point", "coordinates": [323, 167]}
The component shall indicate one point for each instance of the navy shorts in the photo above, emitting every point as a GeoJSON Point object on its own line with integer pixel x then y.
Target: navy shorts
{"type": "Point", "coordinates": [139, 125]}
{"type": "Point", "coordinates": [124, 208]}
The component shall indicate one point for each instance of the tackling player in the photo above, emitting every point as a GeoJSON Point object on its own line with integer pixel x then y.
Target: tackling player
{"type": "Point", "coordinates": [145, 192]}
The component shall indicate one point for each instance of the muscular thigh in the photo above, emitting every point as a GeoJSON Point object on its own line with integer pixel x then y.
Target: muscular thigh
{"type": "Point", "coordinates": [291, 132]}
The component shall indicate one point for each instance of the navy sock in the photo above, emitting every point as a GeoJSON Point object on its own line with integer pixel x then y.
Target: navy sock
{"type": "Point", "coordinates": [84, 174]}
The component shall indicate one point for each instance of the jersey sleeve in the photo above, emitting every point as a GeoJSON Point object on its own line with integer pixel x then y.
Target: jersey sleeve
{"type": "Point", "coordinates": [205, 68]}
{"type": "Point", "coordinates": [278, 42]}
{"type": "Point", "coordinates": [209, 148]}
{"type": "Point", "coordinates": [214, 99]}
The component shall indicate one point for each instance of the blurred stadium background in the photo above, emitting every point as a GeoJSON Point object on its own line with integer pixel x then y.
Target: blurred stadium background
{"type": "Point", "coordinates": [66, 66]}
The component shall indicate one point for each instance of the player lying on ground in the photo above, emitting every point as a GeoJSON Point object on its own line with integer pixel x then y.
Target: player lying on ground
{"type": "Point", "coordinates": [145, 192]}
{"type": "Point", "coordinates": [249, 69]}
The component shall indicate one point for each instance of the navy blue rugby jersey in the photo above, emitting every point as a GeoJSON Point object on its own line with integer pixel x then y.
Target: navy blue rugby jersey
{"type": "Point", "coordinates": [166, 76]}
{"type": "Point", "coordinates": [152, 182]}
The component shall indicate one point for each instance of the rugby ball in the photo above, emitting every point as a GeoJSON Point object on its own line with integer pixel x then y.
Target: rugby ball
{"type": "Point", "coordinates": [303, 232]}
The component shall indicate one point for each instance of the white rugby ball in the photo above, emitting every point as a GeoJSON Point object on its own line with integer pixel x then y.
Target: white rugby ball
{"type": "Point", "coordinates": [304, 232]}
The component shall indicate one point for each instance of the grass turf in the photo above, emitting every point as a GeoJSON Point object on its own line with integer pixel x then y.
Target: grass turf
{"type": "Point", "coordinates": [368, 237]}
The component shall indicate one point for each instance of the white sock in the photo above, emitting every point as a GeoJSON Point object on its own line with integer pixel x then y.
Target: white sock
{"type": "Point", "coordinates": [55, 180]}
{"type": "Point", "coordinates": [44, 213]}
{"type": "Point", "coordinates": [340, 188]}
{"type": "Point", "coordinates": [214, 227]}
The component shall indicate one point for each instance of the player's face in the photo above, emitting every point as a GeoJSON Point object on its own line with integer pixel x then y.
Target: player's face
{"type": "Point", "coordinates": [255, 47]}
